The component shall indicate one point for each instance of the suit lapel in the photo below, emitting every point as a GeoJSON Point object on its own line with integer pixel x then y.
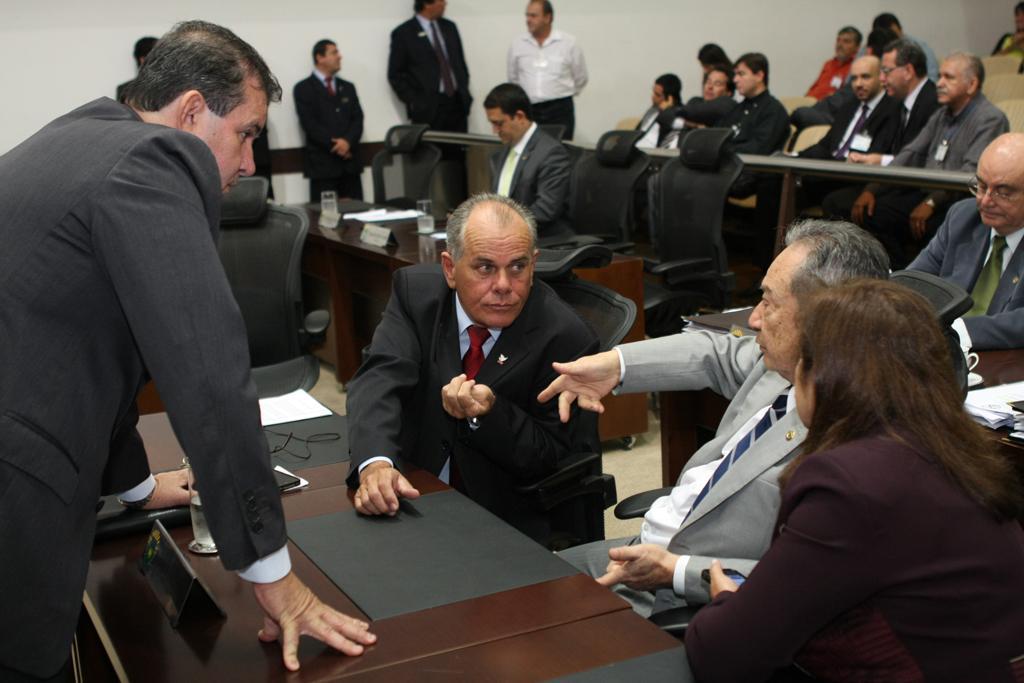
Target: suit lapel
{"type": "Point", "coordinates": [447, 355]}
{"type": "Point", "coordinates": [512, 347]}
{"type": "Point", "coordinates": [1008, 282]}
{"type": "Point", "coordinates": [522, 161]}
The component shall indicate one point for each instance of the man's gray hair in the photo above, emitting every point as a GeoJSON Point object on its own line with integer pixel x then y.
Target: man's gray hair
{"type": "Point", "coordinates": [973, 66]}
{"type": "Point", "coordinates": [838, 251]}
{"type": "Point", "coordinates": [503, 207]}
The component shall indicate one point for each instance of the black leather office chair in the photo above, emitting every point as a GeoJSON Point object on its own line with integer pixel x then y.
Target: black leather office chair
{"type": "Point", "coordinates": [403, 171]}
{"type": "Point", "coordinates": [576, 496]}
{"type": "Point", "coordinates": [261, 249]}
{"type": "Point", "coordinates": [687, 204]}
{"type": "Point", "coordinates": [603, 184]}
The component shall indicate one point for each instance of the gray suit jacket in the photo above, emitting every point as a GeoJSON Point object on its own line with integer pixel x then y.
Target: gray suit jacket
{"type": "Point", "coordinates": [982, 123]}
{"type": "Point", "coordinates": [109, 273]}
{"type": "Point", "coordinates": [540, 182]}
{"type": "Point", "coordinates": [734, 521]}
{"type": "Point", "coordinates": [957, 253]}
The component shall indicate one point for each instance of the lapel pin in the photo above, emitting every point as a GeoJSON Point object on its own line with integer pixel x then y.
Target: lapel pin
{"type": "Point", "coordinates": [790, 435]}
{"type": "Point", "coordinates": [502, 358]}
{"type": "Point", "coordinates": [1016, 279]}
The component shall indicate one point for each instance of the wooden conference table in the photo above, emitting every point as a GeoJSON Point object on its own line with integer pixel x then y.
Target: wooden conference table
{"type": "Point", "coordinates": [534, 632]}
{"type": "Point", "coordinates": [689, 418]}
{"type": "Point", "coordinates": [358, 282]}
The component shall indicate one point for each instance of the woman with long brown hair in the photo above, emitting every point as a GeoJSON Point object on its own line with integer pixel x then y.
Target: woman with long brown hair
{"type": "Point", "coordinates": [897, 554]}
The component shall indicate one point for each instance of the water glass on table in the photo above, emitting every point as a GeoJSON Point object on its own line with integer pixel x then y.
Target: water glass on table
{"type": "Point", "coordinates": [425, 221]}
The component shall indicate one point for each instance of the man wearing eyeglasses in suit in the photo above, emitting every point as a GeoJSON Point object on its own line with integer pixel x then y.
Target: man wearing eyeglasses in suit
{"type": "Point", "coordinates": [977, 247]}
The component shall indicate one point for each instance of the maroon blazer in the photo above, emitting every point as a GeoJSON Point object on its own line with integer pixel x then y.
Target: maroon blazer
{"type": "Point", "coordinates": [881, 569]}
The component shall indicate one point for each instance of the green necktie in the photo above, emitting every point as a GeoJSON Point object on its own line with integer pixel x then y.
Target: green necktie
{"type": "Point", "coordinates": [507, 171]}
{"type": "Point", "coordinates": [988, 279]}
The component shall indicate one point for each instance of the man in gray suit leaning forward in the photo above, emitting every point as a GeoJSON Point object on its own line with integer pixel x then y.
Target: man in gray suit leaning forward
{"type": "Point", "coordinates": [975, 230]}
{"type": "Point", "coordinates": [533, 167]}
{"type": "Point", "coordinates": [726, 499]}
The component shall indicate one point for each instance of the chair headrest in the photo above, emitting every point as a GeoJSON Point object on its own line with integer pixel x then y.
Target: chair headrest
{"type": "Point", "coordinates": [950, 300]}
{"type": "Point", "coordinates": [246, 202]}
{"type": "Point", "coordinates": [553, 264]}
{"type": "Point", "coordinates": [703, 148]}
{"type": "Point", "coordinates": [404, 139]}
{"type": "Point", "coordinates": [618, 147]}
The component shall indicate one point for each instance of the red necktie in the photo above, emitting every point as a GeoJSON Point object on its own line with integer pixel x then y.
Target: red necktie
{"type": "Point", "coordinates": [330, 85]}
{"type": "Point", "coordinates": [474, 358]}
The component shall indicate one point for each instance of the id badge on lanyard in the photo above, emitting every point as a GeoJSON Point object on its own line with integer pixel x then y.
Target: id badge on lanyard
{"type": "Point", "coordinates": [941, 151]}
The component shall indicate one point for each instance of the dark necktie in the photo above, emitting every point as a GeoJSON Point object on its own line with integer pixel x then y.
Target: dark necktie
{"type": "Point", "coordinates": [330, 85]}
{"type": "Point", "coordinates": [447, 83]}
{"type": "Point", "coordinates": [771, 416]}
{"type": "Point", "coordinates": [988, 280]}
{"type": "Point", "coordinates": [857, 128]}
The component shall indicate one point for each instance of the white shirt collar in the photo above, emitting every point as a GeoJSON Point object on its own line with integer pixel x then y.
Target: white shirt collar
{"type": "Point", "coordinates": [553, 37]}
{"type": "Point", "coordinates": [520, 146]}
{"type": "Point", "coordinates": [873, 102]}
{"type": "Point", "coordinates": [465, 321]}
{"type": "Point", "coordinates": [1012, 240]}
{"type": "Point", "coordinates": [425, 23]}
{"type": "Point", "coordinates": [322, 76]}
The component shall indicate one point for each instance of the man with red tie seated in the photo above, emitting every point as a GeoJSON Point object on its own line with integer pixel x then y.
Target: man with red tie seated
{"type": "Point", "coordinates": [454, 369]}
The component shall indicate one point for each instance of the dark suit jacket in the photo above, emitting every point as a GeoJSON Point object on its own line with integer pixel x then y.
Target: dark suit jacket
{"type": "Point", "coordinates": [926, 103]}
{"type": "Point", "coordinates": [108, 273]}
{"type": "Point", "coordinates": [882, 125]}
{"type": "Point", "coordinates": [882, 569]}
{"type": "Point", "coordinates": [413, 71]}
{"type": "Point", "coordinates": [761, 124]}
{"type": "Point", "coordinates": [394, 401]}
{"type": "Point", "coordinates": [707, 112]}
{"type": "Point", "coordinates": [541, 180]}
{"type": "Point", "coordinates": [957, 253]}
{"type": "Point", "coordinates": [323, 117]}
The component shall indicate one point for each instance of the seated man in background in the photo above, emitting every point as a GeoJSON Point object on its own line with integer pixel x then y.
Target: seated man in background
{"type": "Point", "coordinates": [721, 507]}
{"type": "Point", "coordinates": [952, 140]}
{"type": "Point", "coordinates": [451, 381]}
{"type": "Point", "coordinates": [332, 120]}
{"type": "Point", "coordinates": [656, 122]}
{"type": "Point", "coordinates": [716, 100]}
{"type": "Point", "coordinates": [834, 71]}
{"type": "Point", "coordinates": [1012, 44]}
{"type": "Point", "coordinates": [533, 168]}
{"type": "Point", "coordinates": [868, 124]}
{"type": "Point", "coordinates": [978, 248]}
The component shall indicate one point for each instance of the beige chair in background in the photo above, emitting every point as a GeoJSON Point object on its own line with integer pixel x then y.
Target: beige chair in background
{"type": "Point", "coordinates": [1014, 110]}
{"type": "Point", "coordinates": [1000, 64]}
{"type": "Point", "coordinates": [1003, 87]}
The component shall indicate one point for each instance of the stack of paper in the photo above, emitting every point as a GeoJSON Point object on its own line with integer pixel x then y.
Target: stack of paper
{"type": "Point", "coordinates": [292, 407]}
{"type": "Point", "coordinates": [378, 215]}
{"type": "Point", "coordinates": [991, 407]}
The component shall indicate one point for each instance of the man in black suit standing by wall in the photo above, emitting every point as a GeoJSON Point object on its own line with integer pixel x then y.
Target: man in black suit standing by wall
{"type": "Point", "coordinates": [332, 120]}
{"type": "Point", "coordinates": [427, 68]}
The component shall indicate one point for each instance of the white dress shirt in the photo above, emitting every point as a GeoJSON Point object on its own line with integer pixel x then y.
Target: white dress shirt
{"type": "Point", "coordinates": [550, 71]}
{"type": "Point", "coordinates": [872, 103]}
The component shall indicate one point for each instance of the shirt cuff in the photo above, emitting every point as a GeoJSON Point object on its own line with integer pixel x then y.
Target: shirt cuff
{"type": "Point", "coordinates": [679, 576]}
{"type": "Point", "coordinates": [960, 327]}
{"type": "Point", "coordinates": [379, 458]}
{"type": "Point", "coordinates": [887, 159]}
{"type": "Point", "coordinates": [139, 492]}
{"type": "Point", "coordinates": [622, 372]}
{"type": "Point", "coordinates": [269, 569]}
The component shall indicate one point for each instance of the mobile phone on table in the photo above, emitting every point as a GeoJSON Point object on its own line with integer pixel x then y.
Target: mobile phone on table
{"type": "Point", "coordinates": [736, 576]}
{"type": "Point", "coordinates": [285, 481]}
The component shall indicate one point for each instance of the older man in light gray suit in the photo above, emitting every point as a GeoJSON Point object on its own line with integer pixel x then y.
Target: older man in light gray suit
{"type": "Point", "coordinates": [533, 168]}
{"type": "Point", "coordinates": [978, 248]}
{"type": "Point", "coordinates": [726, 499]}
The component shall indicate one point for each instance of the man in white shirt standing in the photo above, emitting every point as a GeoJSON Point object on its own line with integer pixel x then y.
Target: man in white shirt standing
{"type": "Point", "coordinates": [726, 499]}
{"type": "Point", "coordinates": [549, 66]}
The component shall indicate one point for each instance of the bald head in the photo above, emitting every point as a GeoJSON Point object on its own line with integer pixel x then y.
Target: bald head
{"type": "Point", "coordinates": [1000, 194]}
{"type": "Point", "coordinates": [865, 78]}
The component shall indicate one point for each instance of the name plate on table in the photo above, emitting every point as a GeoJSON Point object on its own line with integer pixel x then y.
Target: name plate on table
{"type": "Point", "coordinates": [377, 235]}
{"type": "Point", "coordinates": [173, 580]}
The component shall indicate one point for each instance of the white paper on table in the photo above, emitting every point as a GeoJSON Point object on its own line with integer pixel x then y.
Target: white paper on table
{"type": "Point", "coordinates": [292, 407]}
{"type": "Point", "coordinates": [991, 406]}
{"type": "Point", "coordinates": [377, 215]}
{"type": "Point", "coordinates": [303, 483]}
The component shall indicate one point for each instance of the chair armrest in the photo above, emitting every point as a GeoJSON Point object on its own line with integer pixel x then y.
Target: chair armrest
{"type": "Point", "coordinates": [567, 241]}
{"type": "Point", "coordinates": [620, 247]}
{"type": "Point", "coordinates": [637, 505]}
{"type": "Point", "coordinates": [579, 475]}
{"type": "Point", "coordinates": [572, 468]}
{"type": "Point", "coordinates": [675, 620]}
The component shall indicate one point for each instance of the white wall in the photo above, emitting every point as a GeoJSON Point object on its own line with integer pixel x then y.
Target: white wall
{"type": "Point", "coordinates": [58, 54]}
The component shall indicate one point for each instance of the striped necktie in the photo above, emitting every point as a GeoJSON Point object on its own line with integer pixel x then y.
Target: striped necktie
{"type": "Point", "coordinates": [770, 417]}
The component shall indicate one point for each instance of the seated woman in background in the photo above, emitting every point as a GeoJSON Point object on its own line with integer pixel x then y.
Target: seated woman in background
{"type": "Point", "coordinates": [897, 554]}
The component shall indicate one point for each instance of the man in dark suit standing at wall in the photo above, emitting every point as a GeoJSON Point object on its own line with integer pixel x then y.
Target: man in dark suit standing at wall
{"type": "Point", "coordinates": [332, 120]}
{"type": "Point", "coordinates": [427, 68]}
